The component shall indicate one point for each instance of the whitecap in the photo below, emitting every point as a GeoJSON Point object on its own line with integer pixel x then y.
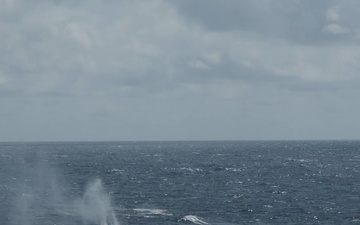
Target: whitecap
{"type": "Point", "coordinates": [162, 212]}
{"type": "Point", "coordinates": [234, 169]}
{"type": "Point", "coordinates": [194, 219]}
{"type": "Point", "coordinates": [115, 171]}
{"type": "Point", "coordinates": [190, 169]}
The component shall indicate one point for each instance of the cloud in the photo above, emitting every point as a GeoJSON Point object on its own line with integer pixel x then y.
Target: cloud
{"type": "Point", "coordinates": [125, 47]}
{"type": "Point", "coordinates": [108, 64]}
{"type": "Point", "coordinates": [54, 44]}
{"type": "Point", "coordinates": [333, 16]}
{"type": "Point", "coordinates": [295, 21]}
{"type": "Point", "coordinates": [335, 29]}
{"type": "Point", "coordinates": [332, 13]}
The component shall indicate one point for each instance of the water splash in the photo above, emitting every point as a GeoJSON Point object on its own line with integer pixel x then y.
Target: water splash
{"type": "Point", "coordinates": [95, 206]}
{"type": "Point", "coordinates": [194, 219]}
{"type": "Point", "coordinates": [41, 198]}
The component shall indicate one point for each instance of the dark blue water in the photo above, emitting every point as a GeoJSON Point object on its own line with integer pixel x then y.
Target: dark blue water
{"type": "Point", "coordinates": [255, 182]}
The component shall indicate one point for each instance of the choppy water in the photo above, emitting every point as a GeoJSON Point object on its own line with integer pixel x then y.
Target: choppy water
{"type": "Point", "coordinates": [287, 182]}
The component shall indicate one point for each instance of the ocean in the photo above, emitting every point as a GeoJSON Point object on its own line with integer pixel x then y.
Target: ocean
{"type": "Point", "coordinates": [189, 182]}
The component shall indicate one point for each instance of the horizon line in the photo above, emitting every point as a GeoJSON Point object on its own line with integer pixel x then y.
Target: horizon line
{"type": "Point", "coordinates": [198, 140]}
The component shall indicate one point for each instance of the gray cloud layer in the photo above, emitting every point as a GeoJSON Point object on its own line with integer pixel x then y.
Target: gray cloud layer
{"type": "Point", "coordinates": [168, 70]}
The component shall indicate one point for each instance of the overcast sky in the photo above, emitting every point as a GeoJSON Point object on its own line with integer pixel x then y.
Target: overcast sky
{"type": "Point", "coordinates": [179, 70]}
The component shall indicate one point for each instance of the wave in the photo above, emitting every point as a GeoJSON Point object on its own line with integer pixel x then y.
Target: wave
{"type": "Point", "coordinates": [144, 211]}
{"type": "Point", "coordinates": [194, 219]}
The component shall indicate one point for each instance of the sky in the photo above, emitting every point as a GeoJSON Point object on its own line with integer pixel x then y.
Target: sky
{"type": "Point", "coordinates": [111, 70]}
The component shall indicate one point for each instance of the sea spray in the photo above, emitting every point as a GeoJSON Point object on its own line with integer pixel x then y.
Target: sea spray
{"type": "Point", "coordinates": [95, 206]}
{"type": "Point", "coordinates": [37, 193]}
{"type": "Point", "coordinates": [41, 197]}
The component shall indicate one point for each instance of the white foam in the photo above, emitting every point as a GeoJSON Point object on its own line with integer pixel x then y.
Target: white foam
{"type": "Point", "coordinates": [145, 211]}
{"type": "Point", "coordinates": [116, 171]}
{"type": "Point", "coordinates": [190, 169]}
{"type": "Point", "coordinates": [193, 219]}
{"type": "Point", "coordinates": [234, 169]}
